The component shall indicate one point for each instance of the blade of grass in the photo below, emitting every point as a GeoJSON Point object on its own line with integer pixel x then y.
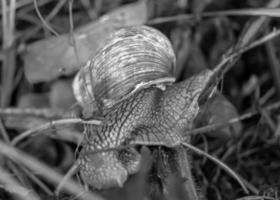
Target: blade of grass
{"type": "Point", "coordinates": [217, 126]}
{"type": "Point", "coordinates": [228, 62]}
{"type": "Point", "coordinates": [200, 152]}
{"type": "Point", "coordinates": [253, 27]}
{"type": "Point", "coordinates": [8, 65]}
{"type": "Point", "coordinates": [23, 13]}
{"type": "Point", "coordinates": [12, 15]}
{"type": "Point", "coordinates": [14, 187]}
{"type": "Point", "coordinates": [35, 112]}
{"type": "Point", "coordinates": [23, 3]}
{"type": "Point", "coordinates": [218, 162]}
{"type": "Point", "coordinates": [36, 180]}
{"type": "Point", "coordinates": [43, 20]}
{"type": "Point", "coordinates": [71, 33]}
{"type": "Point", "coordinates": [18, 173]}
{"type": "Point", "coordinates": [273, 64]}
{"type": "Point", "coordinates": [70, 186]}
{"type": "Point", "coordinates": [256, 198]}
{"type": "Point", "coordinates": [4, 19]}
{"type": "Point", "coordinates": [55, 10]}
{"type": "Point", "coordinates": [68, 175]}
{"type": "Point", "coordinates": [269, 12]}
{"type": "Point", "coordinates": [3, 132]}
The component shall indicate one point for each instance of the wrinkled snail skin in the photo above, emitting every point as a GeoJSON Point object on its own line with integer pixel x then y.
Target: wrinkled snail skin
{"type": "Point", "coordinates": [154, 114]}
{"type": "Point", "coordinates": [150, 115]}
{"type": "Point", "coordinates": [102, 170]}
{"type": "Point", "coordinates": [116, 128]}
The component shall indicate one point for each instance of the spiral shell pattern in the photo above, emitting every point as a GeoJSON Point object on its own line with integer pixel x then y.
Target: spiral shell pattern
{"type": "Point", "coordinates": [134, 57]}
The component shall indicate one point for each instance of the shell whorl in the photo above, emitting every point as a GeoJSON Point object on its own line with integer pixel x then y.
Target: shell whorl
{"type": "Point", "coordinates": [134, 57]}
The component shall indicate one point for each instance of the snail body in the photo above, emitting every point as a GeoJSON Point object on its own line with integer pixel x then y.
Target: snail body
{"type": "Point", "coordinates": [152, 111]}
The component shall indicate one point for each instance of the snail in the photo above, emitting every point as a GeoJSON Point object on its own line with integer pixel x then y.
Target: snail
{"type": "Point", "coordinates": [131, 83]}
{"type": "Point", "coordinates": [134, 58]}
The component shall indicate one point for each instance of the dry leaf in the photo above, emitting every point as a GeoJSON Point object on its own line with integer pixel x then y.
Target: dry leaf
{"type": "Point", "coordinates": [48, 59]}
{"type": "Point", "coordinates": [33, 100]}
{"type": "Point", "coordinates": [219, 110]}
{"type": "Point", "coordinates": [61, 95]}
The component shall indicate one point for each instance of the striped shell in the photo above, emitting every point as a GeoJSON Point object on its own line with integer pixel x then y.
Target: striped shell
{"type": "Point", "coordinates": [134, 57]}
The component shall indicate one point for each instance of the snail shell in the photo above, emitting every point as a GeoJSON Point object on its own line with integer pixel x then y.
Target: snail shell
{"type": "Point", "coordinates": [134, 57]}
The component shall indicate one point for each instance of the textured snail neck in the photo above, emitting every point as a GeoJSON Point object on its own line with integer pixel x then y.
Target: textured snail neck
{"type": "Point", "coordinates": [117, 127]}
{"type": "Point", "coordinates": [123, 80]}
{"type": "Point", "coordinates": [126, 116]}
{"type": "Point", "coordinates": [150, 116]}
{"type": "Point", "coordinates": [166, 113]}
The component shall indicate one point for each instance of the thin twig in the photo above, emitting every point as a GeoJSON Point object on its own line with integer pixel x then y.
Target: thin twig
{"type": "Point", "coordinates": [217, 161]}
{"type": "Point", "coordinates": [50, 125]}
